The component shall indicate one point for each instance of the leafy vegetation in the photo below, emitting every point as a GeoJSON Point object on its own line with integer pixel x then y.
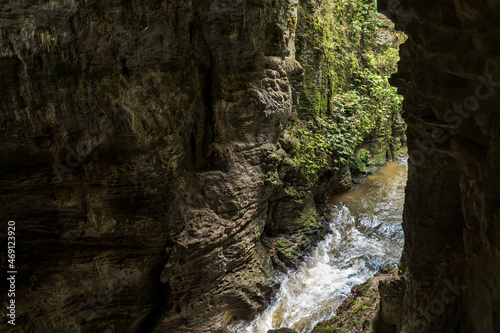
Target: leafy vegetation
{"type": "Point", "coordinates": [348, 50]}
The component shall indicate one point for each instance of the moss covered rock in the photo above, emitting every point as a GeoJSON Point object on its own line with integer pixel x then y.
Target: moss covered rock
{"type": "Point", "coordinates": [359, 312]}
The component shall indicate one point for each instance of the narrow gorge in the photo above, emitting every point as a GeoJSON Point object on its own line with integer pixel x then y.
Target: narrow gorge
{"type": "Point", "coordinates": [165, 161]}
{"type": "Point", "coordinates": [364, 236]}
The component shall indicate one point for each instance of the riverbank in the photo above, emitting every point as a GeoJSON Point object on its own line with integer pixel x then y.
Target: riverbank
{"type": "Point", "coordinates": [361, 310]}
{"type": "Point", "coordinates": [364, 235]}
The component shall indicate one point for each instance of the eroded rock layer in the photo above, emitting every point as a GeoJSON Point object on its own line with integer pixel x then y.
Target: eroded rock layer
{"type": "Point", "coordinates": [450, 76]}
{"type": "Point", "coordinates": [144, 157]}
{"type": "Point", "coordinates": [136, 136]}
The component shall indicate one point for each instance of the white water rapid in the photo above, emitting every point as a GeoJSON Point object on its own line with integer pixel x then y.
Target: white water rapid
{"type": "Point", "coordinates": [365, 234]}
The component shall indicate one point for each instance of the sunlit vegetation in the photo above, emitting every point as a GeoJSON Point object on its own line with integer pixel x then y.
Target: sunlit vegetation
{"type": "Point", "coordinates": [348, 51]}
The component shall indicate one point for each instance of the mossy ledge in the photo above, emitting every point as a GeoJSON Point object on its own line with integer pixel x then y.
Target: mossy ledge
{"type": "Point", "coordinates": [359, 312]}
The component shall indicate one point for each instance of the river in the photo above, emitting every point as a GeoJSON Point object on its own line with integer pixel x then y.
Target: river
{"type": "Point", "coordinates": [365, 235]}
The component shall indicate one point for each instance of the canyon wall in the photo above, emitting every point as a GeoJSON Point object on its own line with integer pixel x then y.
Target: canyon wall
{"type": "Point", "coordinates": [138, 149]}
{"type": "Point", "coordinates": [450, 76]}
{"type": "Point", "coordinates": [145, 159]}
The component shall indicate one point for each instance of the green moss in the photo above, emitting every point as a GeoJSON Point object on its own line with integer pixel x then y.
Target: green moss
{"type": "Point", "coordinates": [362, 162]}
{"type": "Point", "coordinates": [346, 97]}
{"type": "Point", "coordinates": [308, 219]}
{"type": "Point", "coordinates": [325, 328]}
{"type": "Point", "coordinates": [292, 24]}
{"type": "Point", "coordinates": [380, 158]}
{"type": "Point", "coordinates": [286, 248]}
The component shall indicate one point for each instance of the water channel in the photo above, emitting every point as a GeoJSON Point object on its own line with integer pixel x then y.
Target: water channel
{"type": "Point", "coordinates": [365, 235]}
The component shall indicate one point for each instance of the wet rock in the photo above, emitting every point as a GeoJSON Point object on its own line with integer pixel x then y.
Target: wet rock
{"type": "Point", "coordinates": [135, 155]}
{"type": "Point", "coordinates": [360, 311]}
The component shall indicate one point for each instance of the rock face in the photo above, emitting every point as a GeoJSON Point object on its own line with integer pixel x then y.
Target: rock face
{"type": "Point", "coordinates": [450, 77]}
{"type": "Point", "coordinates": [144, 160]}
{"type": "Point", "coordinates": [359, 312]}
{"type": "Point", "coordinates": [136, 139]}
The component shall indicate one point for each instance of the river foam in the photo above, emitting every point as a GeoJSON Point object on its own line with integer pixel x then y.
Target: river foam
{"type": "Point", "coordinates": [365, 234]}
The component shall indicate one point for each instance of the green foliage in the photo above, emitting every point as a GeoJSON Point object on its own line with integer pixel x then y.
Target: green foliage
{"type": "Point", "coordinates": [365, 306]}
{"type": "Point", "coordinates": [292, 24]}
{"type": "Point", "coordinates": [346, 96]}
{"type": "Point", "coordinates": [363, 155]}
{"type": "Point", "coordinates": [325, 328]}
{"type": "Point", "coordinates": [324, 143]}
{"type": "Point", "coordinates": [361, 161]}
{"type": "Point", "coordinates": [308, 219]}
{"type": "Point", "coordinates": [386, 62]}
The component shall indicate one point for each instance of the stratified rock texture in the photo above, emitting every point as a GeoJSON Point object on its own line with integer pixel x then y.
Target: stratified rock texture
{"type": "Point", "coordinates": [141, 159]}
{"type": "Point", "coordinates": [450, 77]}
{"type": "Point", "coordinates": [137, 139]}
{"type": "Point", "coordinates": [144, 158]}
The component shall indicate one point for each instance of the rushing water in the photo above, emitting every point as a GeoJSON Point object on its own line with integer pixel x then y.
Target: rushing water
{"type": "Point", "coordinates": [365, 234]}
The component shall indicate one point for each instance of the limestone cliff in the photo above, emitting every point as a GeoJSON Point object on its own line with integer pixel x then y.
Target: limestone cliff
{"type": "Point", "coordinates": [136, 139]}
{"type": "Point", "coordinates": [347, 117]}
{"type": "Point", "coordinates": [144, 159]}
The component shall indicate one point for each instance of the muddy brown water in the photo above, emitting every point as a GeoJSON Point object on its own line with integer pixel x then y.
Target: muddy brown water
{"type": "Point", "coordinates": [365, 235]}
